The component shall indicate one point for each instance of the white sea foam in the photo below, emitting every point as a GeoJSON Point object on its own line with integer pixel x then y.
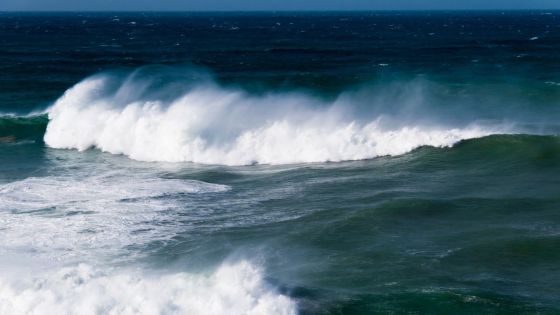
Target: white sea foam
{"type": "Point", "coordinates": [79, 216]}
{"type": "Point", "coordinates": [214, 125]}
{"type": "Point", "coordinates": [70, 245]}
{"type": "Point", "coordinates": [236, 288]}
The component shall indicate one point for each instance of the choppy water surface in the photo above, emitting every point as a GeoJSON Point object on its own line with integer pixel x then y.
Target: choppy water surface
{"type": "Point", "coordinates": [341, 163]}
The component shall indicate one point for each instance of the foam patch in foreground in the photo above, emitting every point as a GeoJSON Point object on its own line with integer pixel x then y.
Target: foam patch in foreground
{"type": "Point", "coordinates": [232, 289]}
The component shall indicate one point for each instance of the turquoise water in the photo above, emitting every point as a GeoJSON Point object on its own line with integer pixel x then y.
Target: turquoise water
{"type": "Point", "coordinates": [356, 163]}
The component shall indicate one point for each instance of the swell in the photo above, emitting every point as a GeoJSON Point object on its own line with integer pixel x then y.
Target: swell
{"type": "Point", "coordinates": [520, 145]}
{"type": "Point", "coordinates": [500, 147]}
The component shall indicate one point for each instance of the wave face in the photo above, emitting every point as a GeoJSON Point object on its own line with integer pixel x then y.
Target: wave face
{"type": "Point", "coordinates": [205, 123]}
{"type": "Point", "coordinates": [232, 289]}
{"type": "Point", "coordinates": [15, 129]}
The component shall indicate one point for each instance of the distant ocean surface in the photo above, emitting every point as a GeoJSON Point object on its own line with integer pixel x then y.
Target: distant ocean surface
{"type": "Point", "coordinates": [280, 163]}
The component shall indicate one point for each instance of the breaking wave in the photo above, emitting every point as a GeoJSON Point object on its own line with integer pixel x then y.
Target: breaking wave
{"type": "Point", "coordinates": [142, 118]}
{"type": "Point", "coordinates": [236, 288]}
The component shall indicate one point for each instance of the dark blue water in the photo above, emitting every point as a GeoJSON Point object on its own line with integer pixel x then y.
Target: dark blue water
{"type": "Point", "coordinates": [280, 163]}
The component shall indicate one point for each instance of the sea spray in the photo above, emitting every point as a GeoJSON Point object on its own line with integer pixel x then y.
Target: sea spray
{"type": "Point", "coordinates": [211, 124]}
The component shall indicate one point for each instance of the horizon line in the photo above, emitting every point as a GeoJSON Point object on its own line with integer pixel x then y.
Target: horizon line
{"type": "Point", "coordinates": [278, 10]}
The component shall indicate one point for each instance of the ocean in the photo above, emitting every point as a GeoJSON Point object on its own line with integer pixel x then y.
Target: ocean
{"type": "Point", "coordinates": [280, 163]}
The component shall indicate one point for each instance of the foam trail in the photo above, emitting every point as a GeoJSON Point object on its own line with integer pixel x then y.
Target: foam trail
{"type": "Point", "coordinates": [232, 289]}
{"type": "Point", "coordinates": [65, 218]}
{"type": "Point", "coordinates": [213, 125]}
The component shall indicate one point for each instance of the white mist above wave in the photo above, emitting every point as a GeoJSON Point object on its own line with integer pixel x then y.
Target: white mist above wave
{"type": "Point", "coordinates": [232, 289]}
{"type": "Point", "coordinates": [212, 125]}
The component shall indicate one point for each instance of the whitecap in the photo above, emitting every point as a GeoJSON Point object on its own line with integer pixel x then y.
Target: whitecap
{"type": "Point", "coordinates": [213, 125]}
